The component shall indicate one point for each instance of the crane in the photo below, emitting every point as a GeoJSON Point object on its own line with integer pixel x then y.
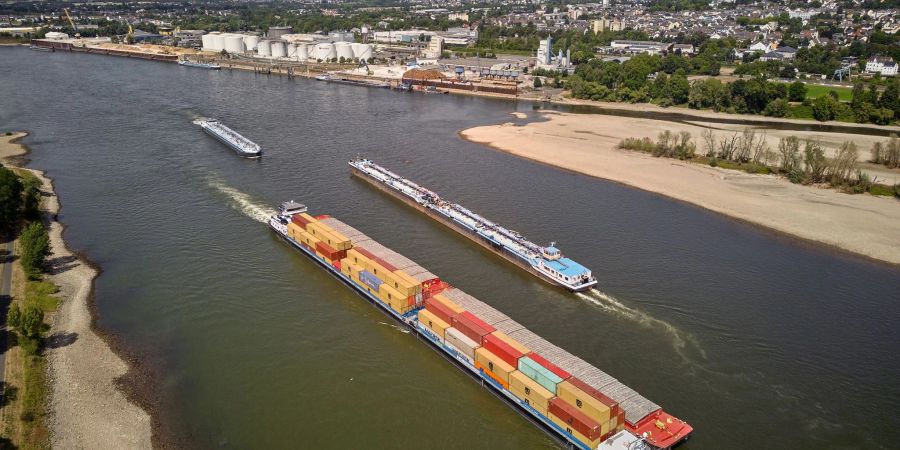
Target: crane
{"type": "Point", "coordinates": [72, 23]}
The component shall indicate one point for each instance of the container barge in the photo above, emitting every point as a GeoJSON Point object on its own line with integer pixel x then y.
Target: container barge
{"type": "Point", "coordinates": [241, 145]}
{"type": "Point", "coordinates": [547, 263]}
{"type": "Point", "coordinates": [579, 405]}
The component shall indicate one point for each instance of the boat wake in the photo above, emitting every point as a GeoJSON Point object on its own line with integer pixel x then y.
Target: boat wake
{"type": "Point", "coordinates": [242, 202]}
{"type": "Point", "coordinates": [684, 343]}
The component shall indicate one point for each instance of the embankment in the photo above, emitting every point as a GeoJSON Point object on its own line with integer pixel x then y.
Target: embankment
{"type": "Point", "coordinates": [86, 408]}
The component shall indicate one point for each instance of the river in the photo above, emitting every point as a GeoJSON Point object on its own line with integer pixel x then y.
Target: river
{"type": "Point", "coordinates": [756, 339]}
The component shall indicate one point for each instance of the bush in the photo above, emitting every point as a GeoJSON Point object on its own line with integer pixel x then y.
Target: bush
{"type": "Point", "coordinates": [35, 243]}
{"type": "Point", "coordinates": [537, 82]}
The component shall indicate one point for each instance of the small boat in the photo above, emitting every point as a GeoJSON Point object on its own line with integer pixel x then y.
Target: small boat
{"type": "Point", "coordinates": [199, 65]}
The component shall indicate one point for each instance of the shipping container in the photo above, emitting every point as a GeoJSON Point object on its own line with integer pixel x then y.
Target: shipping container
{"type": "Point", "coordinates": [442, 298]}
{"type": "Point", "coordinates": [389, 295]}
{"type": "Point", "coordinates": [293, 229]}
{"type": "Point", "coordinates": [501, 349]}
{"type": "Point", "coordinates": [440, 310]}
{"type": "Point", "coordinates": [358, 258]}
{"type": "Point", "coordinates": [471, 326]}
{"type": "Point", "coordinates": [351, 233]}
{"type": "Point", "coordinates": [493, 366]}
{"type": "Point", "coordinates": [562, 374]}
{"type": "Point", "coordinates": [461, 342]}
{"type": "Point", "coordinates": [530, 392]}
{"type": "Point", "coordinates": [539, 373]}
{"type": "Point", "coordinates": [433, 323]}
{"type": "Point", "coordinates": [406, 284]}
{"type": "Point", "coordinates": [512, 342]}
{"type": "Point", "coordinates": [370, 280]}
{"type": "Point", "coordinates": [329, 252]}
{"type": "Point", "coordinates": [303, 220]}
{"type": "Point", "coordinates": [575, 419]}
{"type": "Point", "coordinates": [588, 400]}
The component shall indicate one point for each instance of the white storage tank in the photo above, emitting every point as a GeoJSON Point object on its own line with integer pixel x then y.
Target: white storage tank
{"type": "Point", "coordinates": [365, 52]}
{"type": "Point", "coordinates": [302, 52]}
{"type": "Point", "coordinates": [250, 42]}
{"type": "Point", "coordinates": [324, 52]}
{"type": "Point", "coordinates": [292, 51]}
{"type": "Point", "coordinates": [263, 48]}
{"type": "Point", "coordinates": [278, 50]}
{"type": "Point", "coordinates": [234, 43]}
{"type": "Point", "coordinates": [343, 50]}
{"type": "Point", "coordinates": [218, 42]}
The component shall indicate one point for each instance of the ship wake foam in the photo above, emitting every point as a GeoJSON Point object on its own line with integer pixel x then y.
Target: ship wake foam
{"type": "Point", "coordinates": [685, 344]}
{"type": "Point", "coordinates": [242, 202]}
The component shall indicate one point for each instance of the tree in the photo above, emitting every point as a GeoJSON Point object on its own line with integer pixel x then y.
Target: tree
{"type": "Point", "coordinates": [776, 108]}
{"type": "Point", "coordinates": [844, 164]}
{"type": "Point", "coordinates": [824, 108]}
{"type": "Point", "coordinates": [35, 243]}
{"type": "Point", "coordinates": [537, 82]}
{"type": "Point", "coordinates": [797, 91]}
{"type": "Point", "coordinates": [789, 153]}
{"type": "Point", "coordinates": [10, 199]}
{"type": "Point", "coordinates": [815, 162]}
{"type": "Point", "coordinates": [679, 88]}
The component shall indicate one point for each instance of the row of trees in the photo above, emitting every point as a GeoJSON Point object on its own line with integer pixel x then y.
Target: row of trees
{"type": "Point", "coordinates": [887, 153]}
{"type": "Point", "coordinates": [751, 152]}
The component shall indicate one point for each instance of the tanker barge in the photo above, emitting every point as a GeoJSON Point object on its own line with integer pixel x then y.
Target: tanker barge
{"type": "Point", "coordinates": [234, 140]}
{"type": "Point", "coordinates": [579, 405]}
{"type": "Point", "coordinates": [547, 263]}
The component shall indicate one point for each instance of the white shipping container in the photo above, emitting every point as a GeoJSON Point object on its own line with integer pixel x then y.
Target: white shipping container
{"type": "Point", "coordinates": [461, 342]}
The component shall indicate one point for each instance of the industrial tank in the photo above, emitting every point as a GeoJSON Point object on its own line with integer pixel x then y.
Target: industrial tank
{"type": "Point", "coordinates": [278, 50]}
{"type": "Point", "coordinates": [277, 32]}
{"type": "Point", "coordinates": [324, 52]}
{"type": "Point", "coordinates": [234, 43]}
{"type": "Point", "coordinates": [206, 39]}
{"type": "Point", "coordinates": [218, 41]}
{"type": "Point", "coordinates": [250, 42]}
{"type": "Point", "coordinates": [302, 52]}
{"type": "Point", "coordinates": [263, 48]}
{"type": "Point", "coordinates": [365, 52]}
{"type": "Point", "coordinates": [343, 50]}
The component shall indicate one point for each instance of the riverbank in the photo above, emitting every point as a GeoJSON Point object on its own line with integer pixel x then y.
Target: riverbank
{"type": "Point", "coordinates": [587, 144]}
{"type": "Point", "coordinates": [86, 409]}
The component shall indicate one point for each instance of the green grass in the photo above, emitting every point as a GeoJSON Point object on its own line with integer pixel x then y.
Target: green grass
{"type": "Point", "coordinates": [882, 189]}
{"type": "Point", "coordinates": [40, 294]}
{"type": "Point", "coordinates": [815, 91]}
{"type": "Point", "coordinates": [34, 399]}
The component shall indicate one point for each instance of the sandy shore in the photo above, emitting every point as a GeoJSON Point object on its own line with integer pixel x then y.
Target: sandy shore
{"type": "Point", "coordinates": [86, 409]}
{"type": "Point", "coordinates": [862, 224]}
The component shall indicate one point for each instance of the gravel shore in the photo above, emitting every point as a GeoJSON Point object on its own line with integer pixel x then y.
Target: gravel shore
{"type": "Point", "coordinates": [86, 408]}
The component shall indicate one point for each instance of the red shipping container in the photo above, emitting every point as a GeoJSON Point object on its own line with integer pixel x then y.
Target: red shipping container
{"type": "Point", "coordinates": [299, 220]}
{"type": "Point", "coordinates": [337, 264]}
{"type": "Point", "coordinates": [330, 253]}
{"type": "Point", "coordinates": [610, 403]}
{"type": "Point", "coordinates": [372, 256]}
{"type": "Point", "coordinates": [471, 326]}
{"type": "Point", "coordinates": [503, 350]}
{"type": "Point", "coordinates": [550, 366]}
{"type": "Point", "coordinates": [575, 418]}
{"type": "Point", "coordinates": [439, 309]}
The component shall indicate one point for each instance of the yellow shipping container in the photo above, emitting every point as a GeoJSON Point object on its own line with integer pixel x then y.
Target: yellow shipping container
{"type": "Point", "coordinates": [590, 406]}
{"type": "Point", "coordinates": [294, 229]}
{"type": "Point", "coordinates": [530, 391]}
{"type": "Point", "coordinates": [389, 294]}
{"type": "Point", "coordinates": [573, 432]}
{"type": "Point", "coordinates": [347, 267]}
{"type": "Point", "coordinates": [493, 363]}
{"type": "Point", "coordinates": [449, 303]}
{"type": "Point", "coordinates": [308, 218]}
{"type": "Point", "coordinates": [329, 236]}
{"type": "Point", "coordinates": [406, 284]}
{"type": "Point", "coordinates": [512, 342]}
{"type": "Point", "coordinates": [358, 258]}
{"type": "Point", "coordinates": [433, 322]}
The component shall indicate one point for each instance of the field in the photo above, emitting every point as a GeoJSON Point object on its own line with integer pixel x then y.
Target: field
{"type": "Point", "coordinates": [815, 90]}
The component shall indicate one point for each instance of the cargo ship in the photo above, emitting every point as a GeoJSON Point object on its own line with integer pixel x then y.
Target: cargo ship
{"type": "Point", "coordinates": [241, 145]}
{"type": "Point", "coordinates": [547, 263]}
{"type": "Point", "coordinates": [577, 404]}
{"type": "Point", "coordinates": [199, 65]}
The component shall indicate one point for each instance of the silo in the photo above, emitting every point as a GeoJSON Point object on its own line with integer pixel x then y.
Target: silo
{"type": "Point", "coordinates": [218, 41]}
{"type": "Point", "coordinates": [263, 49]}
{"type": "Point", "coordinates": [343, 50]}
{"type": "Point", "coordinates": [324, 51]}
{"type": "Point", "coordinates": [365, 52]}
{"type": "Point", "coordinates": [277, 32]}
{"type": "Point", "coordinates": [292, 51]}
{"type": "Point", "coordinates": [278, 50]}
{"type": "Point", "coordinates": [302, 52]}
{"type": "Point", "coordinates": [250, 42]}
{"type": "Point", "coordinates": [234, 43]}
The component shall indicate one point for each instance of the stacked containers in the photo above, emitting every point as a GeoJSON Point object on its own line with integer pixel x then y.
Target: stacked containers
{"type": "Point", "coordinates": [540, 374]}
{"type": "Point", "coordinates": [591, 403]}
{"type": "Point", "coordinates": [433, 323]}
{"type": "Point", "coordinates": [530, 391]}
{"type": "Point", "coordinates": [461, 343]}
{"type": "Point", "coordinates": [575, 423]}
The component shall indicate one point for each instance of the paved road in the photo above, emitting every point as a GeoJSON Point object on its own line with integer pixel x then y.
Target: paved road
{"type": "Point", "coordinates": [5, 286]}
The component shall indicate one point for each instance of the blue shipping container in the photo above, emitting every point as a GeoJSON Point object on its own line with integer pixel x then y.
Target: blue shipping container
{"type": "Point", "coordinates": [539, 373]}
{"type": "Point", "coordinates": [369, 279]}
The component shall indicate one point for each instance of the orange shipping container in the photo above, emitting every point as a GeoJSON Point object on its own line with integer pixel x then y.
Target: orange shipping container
{"type": "Point", "coordinates": [512, 342]}
{"type": "Point", "coordinates": [530, 391]}
{"type": "Point", "coordinates": [493, 366]}
{"type": "Point", "coordinates": [433, 323]}
{"type": "Point", "coordinates": [593, 404]}
{"type": "Point", "coordinates": [293, 229]}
